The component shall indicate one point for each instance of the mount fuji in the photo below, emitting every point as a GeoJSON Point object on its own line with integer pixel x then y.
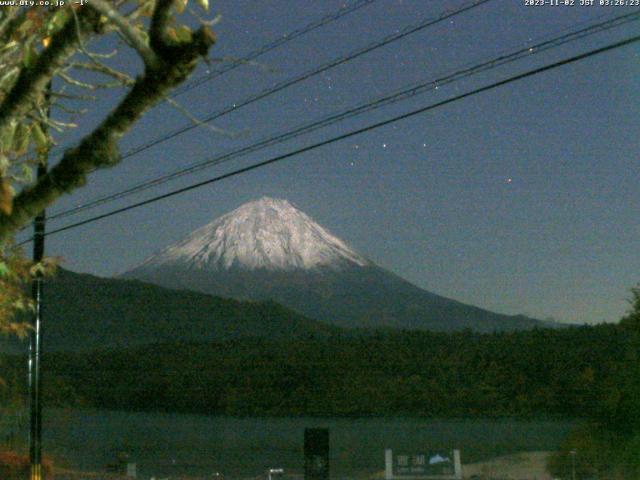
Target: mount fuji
{"type": "Point", "coordinates": [266, 234]}
{"type": "Point", "coordinates": [269, 250]}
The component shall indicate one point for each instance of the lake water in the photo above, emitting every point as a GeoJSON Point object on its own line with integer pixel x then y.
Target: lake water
{"type": "Point", "coordinates": [173, 444]}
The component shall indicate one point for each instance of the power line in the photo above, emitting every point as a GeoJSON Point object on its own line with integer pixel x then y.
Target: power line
{"type": "Point", "coordinates": [402, 94]}
{"type": "Point", "coordinates": [316, 71]}
{"type": "Point", "coordinates": [287, 37]}
{"type": "Point", "coordinates": [350, 134]}
{"type": "Point", "coordinates": [304, 76]}
{"type": "Point", "coordinates": [311, 73]}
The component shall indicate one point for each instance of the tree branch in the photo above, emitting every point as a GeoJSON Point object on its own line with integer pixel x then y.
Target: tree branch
{"type": "Point", "coordinates": [127, 30]}
{"type": "Point", "coordinates": [157, 29]}
{"type": "Point", "coordinates": [196, 121]}
{"type": "Point", "coordinates": [13, 19]}
{"type": "Point", "coordinates": [32, 81]}
{"type": "Point", "coordinates": [99, 149]}
{"type": "Point", "coordinates": [123, 78]}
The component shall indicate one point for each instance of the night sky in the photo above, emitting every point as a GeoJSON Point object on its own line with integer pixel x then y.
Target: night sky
{"type": "Point", "coordinates": [519, 200]}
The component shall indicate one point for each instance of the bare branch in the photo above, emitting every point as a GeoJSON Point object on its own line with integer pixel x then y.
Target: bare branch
{"type": "Point", "coordinates": [61, 126]}
{"type": "Point", "coordinates": [68, 96]}
{"type": "Point", "coordinates": [70, 111]}
{"type": "Point", "coordinates": [90, 55]}
{"type": "Point", "coordinates": [184, 111]}
{"type": "Point", "coordinates": [76, 83]}
{"type": "Point", "coordinates": [127, 30]}
{"type": "Point", "coordinates": [111, 54]}
{"type": "Point", "coordinates": [98, 66]}
{"type": "Point", "coordinates": [202, 20]}
{"type": "Point", "coordinates": [106, 70]}
{"type": "Point", "coordinates": [32, 81]}
{"type": "Point", "coordinates": [88, 86]}
{"type": "Point", "coordinates": [240, 61]}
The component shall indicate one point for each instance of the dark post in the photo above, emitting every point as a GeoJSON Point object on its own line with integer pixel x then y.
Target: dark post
{"type": "Point", "coordinates": [35, 350]}
{"type": "Point", "coordinates": [316, 454]}
{"type": "Point", "coordinates": [35, 340]}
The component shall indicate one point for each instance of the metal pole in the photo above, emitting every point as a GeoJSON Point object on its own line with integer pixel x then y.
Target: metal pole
{"type": "Point", "coordinates": [35, 351]}
{"type": "Point", "coordinates": [35, 343]}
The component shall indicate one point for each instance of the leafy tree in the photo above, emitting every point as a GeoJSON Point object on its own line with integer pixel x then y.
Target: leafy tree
{"type": "Point", "coordinates": [632, 318]}
{"type": "Point", "coordinates": [46, 71]}
{"type": "Point", "coordinates": [608, 446]}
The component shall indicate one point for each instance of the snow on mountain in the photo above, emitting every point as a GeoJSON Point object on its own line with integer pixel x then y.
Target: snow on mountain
{"type": "Point", "coordinates": [267, 233]}
{"type": "Point", "coordinates": [269, 250]}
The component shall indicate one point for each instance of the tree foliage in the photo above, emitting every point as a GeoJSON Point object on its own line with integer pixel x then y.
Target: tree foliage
{"type": "Point", "coordinates": [16, 273]}
{"type": "Point", "coordinates": [49, 76]}
{"type": "Point", "coordinates": [632, 319]}
{"type": "Point", "coordinates": [608, 446]}
{"type": "Point", "coordinates": [564, 373]}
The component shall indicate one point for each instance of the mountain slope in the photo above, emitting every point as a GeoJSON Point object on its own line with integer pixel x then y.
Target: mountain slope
{"type": "Point", "coordinates": [267, 234]}
{"type": "Point", "coordinates": [268, 249]}
{"type": "Point", "coordinates": [84, 312]}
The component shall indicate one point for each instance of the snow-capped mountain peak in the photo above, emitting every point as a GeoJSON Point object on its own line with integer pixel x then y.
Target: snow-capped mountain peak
{"type": "Point", "coordinates": [267, 234]}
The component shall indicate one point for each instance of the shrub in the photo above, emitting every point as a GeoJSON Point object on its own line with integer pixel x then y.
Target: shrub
{"type": "Point", "coordinates": [599, 453]}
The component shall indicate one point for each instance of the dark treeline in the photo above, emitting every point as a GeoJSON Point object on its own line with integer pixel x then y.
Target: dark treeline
{"type": "Point", "coordinates": [590, 372]}
{"type": "Point", "coordinates": [576, 372]}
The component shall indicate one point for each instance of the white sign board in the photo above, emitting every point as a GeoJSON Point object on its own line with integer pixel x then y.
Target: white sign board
{"type": "Point", "coordinates": [422, 465]}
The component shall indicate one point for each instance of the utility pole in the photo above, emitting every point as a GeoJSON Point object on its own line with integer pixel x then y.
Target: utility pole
{"type": "Point", "coordinates": [35, 339]}
{"type": "Point", "coordinates": [35, 351]}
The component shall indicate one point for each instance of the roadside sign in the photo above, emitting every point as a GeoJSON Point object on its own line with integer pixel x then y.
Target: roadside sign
{"type": "Point", "coordinates": [426, 464]}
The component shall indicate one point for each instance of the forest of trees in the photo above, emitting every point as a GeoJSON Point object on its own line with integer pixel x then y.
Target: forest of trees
{"type": "Point", "coordinates": [609, 444]}
{"type": "Point", "coordinates": [590, 373]}
{"type": "Point", "coordinates": [578, 372]}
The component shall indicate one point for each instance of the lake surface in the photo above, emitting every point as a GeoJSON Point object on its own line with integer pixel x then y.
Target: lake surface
{"type": "Point", "coordinates": [173, 444]}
